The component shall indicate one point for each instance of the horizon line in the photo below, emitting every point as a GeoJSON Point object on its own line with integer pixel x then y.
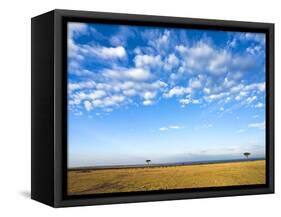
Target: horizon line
{"type": "Point", "coordinates": [181, 163]}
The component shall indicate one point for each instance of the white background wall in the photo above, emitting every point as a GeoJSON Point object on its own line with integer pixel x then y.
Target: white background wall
{"type": "Point", "coordinates": [15, 106]}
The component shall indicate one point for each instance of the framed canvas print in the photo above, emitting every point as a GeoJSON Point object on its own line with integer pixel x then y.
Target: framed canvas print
{"type": "Point", "coordinates": [134, 108]}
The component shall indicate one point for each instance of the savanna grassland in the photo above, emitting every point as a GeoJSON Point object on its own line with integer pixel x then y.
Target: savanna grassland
{"type": "Point", "coordinates": [171, 177]}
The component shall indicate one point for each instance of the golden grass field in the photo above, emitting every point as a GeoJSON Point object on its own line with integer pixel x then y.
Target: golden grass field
{"type": "Point", "coordinates": [171, 177]}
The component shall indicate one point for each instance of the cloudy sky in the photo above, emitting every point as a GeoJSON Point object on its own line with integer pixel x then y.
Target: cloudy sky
{"type": "Point", "coordinates": [165, 94]}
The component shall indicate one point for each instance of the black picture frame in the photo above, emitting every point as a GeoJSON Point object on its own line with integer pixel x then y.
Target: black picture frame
{"type": "Point", "coordinates": [49, 108]}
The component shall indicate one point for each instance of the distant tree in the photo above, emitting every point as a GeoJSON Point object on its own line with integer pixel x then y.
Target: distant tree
{"type": "Point", "coordinates": [247, 154]}
{"type": "Point", "coordinates": [148, 161]}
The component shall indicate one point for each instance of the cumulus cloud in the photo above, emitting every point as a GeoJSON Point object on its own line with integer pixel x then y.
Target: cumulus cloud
{"type": "Point", "coordinates": [79, 52]}
{"type": "Point", "coordinates": [81, 85]}
{"type": "Point", "coordinates": [148, 97]}
{"type": "Point", "coordinates": [256, 37]}
{"type": "Point", "coordinates": [195, 83]}
{"type": "Point", "coordinates": [171, 62]}
{"type": "Point", "coordinates": [249, 100]}
{"type": "Point", "coordinates": [110, 52]}
{"type": "Point", "coordinates": [109, 101]}
{"type": "Point", "coordinates": [76, 28]}
{"type": "Point", "coordinates": [259, 105]}
{"type": "Point", "coordinates": [147, 60]}
{"type": "Point", "coordinates": [88, 105]}
{"type": "Point", "coordinates": [123, 73]}
{"type": "Point", "coordinates": [220, 62]}
{"type": "Point", "coordinates": [188, 100]}
{"type": "Point", "coordinates": [147, 102]}
{"type": "Point", "coordinates": [123, 34]}
{"type": "Point", "coordinates": [177, 91]}
{"type": "Point", "coordinates": [218, 96]}
{"type": "Point", "coordinates": [163, 66]}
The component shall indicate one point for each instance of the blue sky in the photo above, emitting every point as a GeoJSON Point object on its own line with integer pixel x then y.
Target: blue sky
{"type": "Point", "coordinates": [164, 94]}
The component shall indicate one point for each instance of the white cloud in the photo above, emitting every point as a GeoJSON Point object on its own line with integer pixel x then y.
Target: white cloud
{"type": "Point", "coordinates": [171, 127]}
{"type": "Point", "coordinates": [109, 101]}
{"type": "Point", "coordinates": [219, 63]}
{"type": "Point", "coordinates": [185, 101]}
{"type": "Point", "coordinates": [162, 40]}
{"type": "Point", "coordinates": [147, 60]}
{"type": "Point", "coordinates": [171, 62]}
{"type": "Point", "coordinates": [234, 91]}
{"type": "Point", "coordinates": [195, 101]}
{"type": "Point", "coordinates": [207, 90]}
{"type": "Point", "coordinates": [147, 102]}
{"type": "Point", "coordinates": [241, 95]}
{"type": "Point", "coordinates": [166, 66]}
{"type": "Point", "coordinates": [156, 39]}
{"type": "Point", "coordinates": [130, 92]}
{"type": "Point", "coordinates": [201, 50]}
{"type": "Point", "coordinates": [88, 105]}
{"type": "Point", "coordinates": [188, 100]}
{"type": "Point", "coordinates": [77, 98]}
{"type": "Point", "coordinates": [149, 95]}
{"type": "Point", "coordinates": [203, 56]}
{"type": "Point", "coordinates": [96, 99]}
{"type": "Point", "coordinates": [122, 36]}
{"type": "Point", "coordinates": [256, 86]}
{"type": "Point", "coordinates": [259, 105]}
{"type": "Point", "coordinates": [232, 43]}
{"type": "Point", "coordinates": [81, 85]}
{"type": "Point", "coordinates": [175, 127]}
{"type": "Point", "coordinates": [163, 128]}
{"type": "Point", "coordinates": [177, 91]}
{"type": "Point", "coordinates": [249, 100]}
{"type": "Point", "coordinates": [137, 74]}
{"type": "Point", "coordinates": [218, 96]}
{"type": "Point", "coordinates": [181, 48]}
{"type": "Point", "coordinates": [254, 49]}
{"type": "Point", "coordinates": [96, 94]}
{"type": "Point", "coordinates": [228, 82]}
{"type": "Point", "coordinates": [76, 28]}
{"type": "Point", "coordinates": [105, 52]}
{"type": "Point", "coordinates": [257, 37]}
{"type": "Point", "coordinates": [195, 83]}
{"type": "Point", "coordinates": [158, 84]}
{"type": "Point", "coordinates": [237, 88]}
{"type": "Point", "coordinates": [113, 93]}
{"type": "Point", "coordinates": [79, 113]}
{"type": "Point", "coordinates": [113, 100]}
{"type": "Point", "coordinates": [260, 126]}
{"type": "Point", "coordinates": [82, 51]}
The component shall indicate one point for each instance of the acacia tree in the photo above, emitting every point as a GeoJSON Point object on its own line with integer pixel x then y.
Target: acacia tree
{"type": "Point", "coordinates": [247, 154]}
{"type": "Point", "coordinates": [148, 161]}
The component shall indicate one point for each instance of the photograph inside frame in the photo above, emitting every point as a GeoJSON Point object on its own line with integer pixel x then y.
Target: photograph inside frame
{"type": "Point", "coordinates": [162, 108]}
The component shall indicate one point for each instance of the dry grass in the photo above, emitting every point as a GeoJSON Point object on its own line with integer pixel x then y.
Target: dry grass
{"type": "Point", "coordinates": [174, 177]}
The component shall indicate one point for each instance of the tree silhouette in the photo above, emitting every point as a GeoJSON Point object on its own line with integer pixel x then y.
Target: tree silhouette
{"type": "Point", "coordinates": [148, 161]}
{"type": "Point", "coordinates": [247, 154]}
